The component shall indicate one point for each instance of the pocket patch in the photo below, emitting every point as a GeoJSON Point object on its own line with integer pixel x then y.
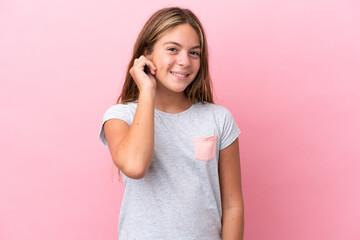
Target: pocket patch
{"type": "Point", "coordinates": [205, 148]}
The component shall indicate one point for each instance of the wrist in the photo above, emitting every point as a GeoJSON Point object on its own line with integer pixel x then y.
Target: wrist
{"type": "Point", "coordinates": [148, 94]}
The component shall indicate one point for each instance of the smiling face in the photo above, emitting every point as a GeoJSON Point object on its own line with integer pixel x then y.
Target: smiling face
{"type": "Point", "coordinates": [176, 56]}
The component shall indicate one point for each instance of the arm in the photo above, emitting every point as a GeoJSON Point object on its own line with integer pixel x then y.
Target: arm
{"type": "Point", "coordinates": [132, 147]}
{"type": "Point", "coordinates": [231, 193]}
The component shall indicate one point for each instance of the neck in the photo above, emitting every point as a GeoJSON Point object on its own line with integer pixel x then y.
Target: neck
{"type": "Point", "coordinates": [172, 103]}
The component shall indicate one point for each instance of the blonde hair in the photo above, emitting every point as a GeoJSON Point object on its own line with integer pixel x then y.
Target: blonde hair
{"type": "Point", "coordinates": [158, 24]}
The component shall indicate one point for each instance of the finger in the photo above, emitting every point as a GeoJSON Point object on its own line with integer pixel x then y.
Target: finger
{"type": "Point", "coordinates": [152, 70]}
{"type": "Point", "coordinates": [151, 66]}
{"type": "Point", "coordinates": [151, 76]}
{"type": "Point", "coordinates": [148, 61]}
{"type": "Point", "coordinates": [142, 61]}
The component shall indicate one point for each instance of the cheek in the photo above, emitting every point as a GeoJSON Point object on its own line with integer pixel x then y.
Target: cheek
{"type": "Point", "coordinates": [162, 63]}
{"type": "Point", "coordinates": [197, 67]}
{"type": "Point", "coordinates": [166, 60]}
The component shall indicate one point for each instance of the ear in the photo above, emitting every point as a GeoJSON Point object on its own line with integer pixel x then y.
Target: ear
{"type": "Point", "coordinates": [147, 54]}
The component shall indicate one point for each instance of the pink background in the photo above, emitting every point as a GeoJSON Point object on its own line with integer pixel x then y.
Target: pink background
{"type": "Point", "coordinates": [287, 70]}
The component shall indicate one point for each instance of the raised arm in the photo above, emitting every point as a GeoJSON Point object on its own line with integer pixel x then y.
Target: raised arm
{"type": "Point", "coordinates": [132, 147]}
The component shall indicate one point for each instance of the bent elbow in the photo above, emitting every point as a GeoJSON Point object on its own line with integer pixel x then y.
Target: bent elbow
{"type": "Point", "coordinates": [134, 174]}
{"type": "Point", "coordinates": [133, 165]}
{"type": "Point", "coordinates": [135, 171]}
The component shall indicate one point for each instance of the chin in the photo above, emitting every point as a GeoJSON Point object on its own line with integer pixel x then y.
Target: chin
{"type": "Point", "coordinates": [179, 88]}
{"type": "Point", "coordinates": [176, 88]}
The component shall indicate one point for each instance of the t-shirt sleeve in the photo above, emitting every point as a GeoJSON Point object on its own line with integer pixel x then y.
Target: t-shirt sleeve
{"type": "Point", "coordinates": [230, 130]}
{"type": "Point", "coordinates": [119, 111]}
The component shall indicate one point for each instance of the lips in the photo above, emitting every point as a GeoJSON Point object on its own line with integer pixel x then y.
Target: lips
{"type": "Point", "coordinates": [180, 74]}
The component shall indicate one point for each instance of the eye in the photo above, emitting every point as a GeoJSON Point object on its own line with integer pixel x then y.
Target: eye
{"type": "Point", "coordinates": [172, 49]}
{"type": "Point", "coordinates": [195, 53]}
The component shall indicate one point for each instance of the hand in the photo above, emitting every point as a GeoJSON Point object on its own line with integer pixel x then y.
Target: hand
{"type": "Point", "coordinates": [144, 80]}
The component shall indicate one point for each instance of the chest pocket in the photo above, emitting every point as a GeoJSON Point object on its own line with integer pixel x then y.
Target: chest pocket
{"type": "Point", "coordinates": [205, 148]}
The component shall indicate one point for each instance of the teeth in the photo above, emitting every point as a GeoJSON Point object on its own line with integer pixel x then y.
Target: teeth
{"type": "Point", "coordinates": [180, 75]}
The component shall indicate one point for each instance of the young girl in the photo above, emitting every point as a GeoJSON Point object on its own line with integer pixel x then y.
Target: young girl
{"type": "Point", "coordinates": [177, 150]}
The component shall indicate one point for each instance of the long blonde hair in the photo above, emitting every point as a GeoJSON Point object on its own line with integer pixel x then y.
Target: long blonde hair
{"type": "Point", "coordinates": [161, 21]}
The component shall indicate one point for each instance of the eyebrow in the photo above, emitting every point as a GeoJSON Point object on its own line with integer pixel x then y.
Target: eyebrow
{"type": "Point", "coordinates": [178, 44]}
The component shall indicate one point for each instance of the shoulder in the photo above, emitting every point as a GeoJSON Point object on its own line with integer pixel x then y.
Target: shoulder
{"type": "Point", "coordinates": [125, 112]}
{"type": "Point", "coordinates": [220, 114]}
{"type": "Point", "coordinates": [213, 108]}
{"type": "Point", "coordinates": [120, 106]}
{"type": "Point", "coordinates": [127, 107]}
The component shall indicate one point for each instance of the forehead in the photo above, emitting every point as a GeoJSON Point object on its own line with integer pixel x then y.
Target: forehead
{"type": "Point", "coordinates": [184, 34]}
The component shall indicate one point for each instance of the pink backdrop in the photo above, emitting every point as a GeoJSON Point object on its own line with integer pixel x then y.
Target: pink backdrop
{"type": "Point", "coordinates": [288, 71]}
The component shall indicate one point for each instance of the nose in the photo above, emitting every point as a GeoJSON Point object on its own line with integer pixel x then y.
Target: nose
{"type": "Point", "coordinates": [183, 59]}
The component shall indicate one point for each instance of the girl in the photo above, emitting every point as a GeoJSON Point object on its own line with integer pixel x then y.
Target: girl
{"type": "Point", "coordinates": [177, 150]}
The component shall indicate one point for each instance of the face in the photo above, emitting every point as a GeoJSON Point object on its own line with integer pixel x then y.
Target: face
{"type": "Point", "coordinates": [176, 56]}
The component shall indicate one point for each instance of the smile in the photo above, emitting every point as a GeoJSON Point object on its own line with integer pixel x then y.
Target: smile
{"type": "Point", "coordinates": [179, 74]}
